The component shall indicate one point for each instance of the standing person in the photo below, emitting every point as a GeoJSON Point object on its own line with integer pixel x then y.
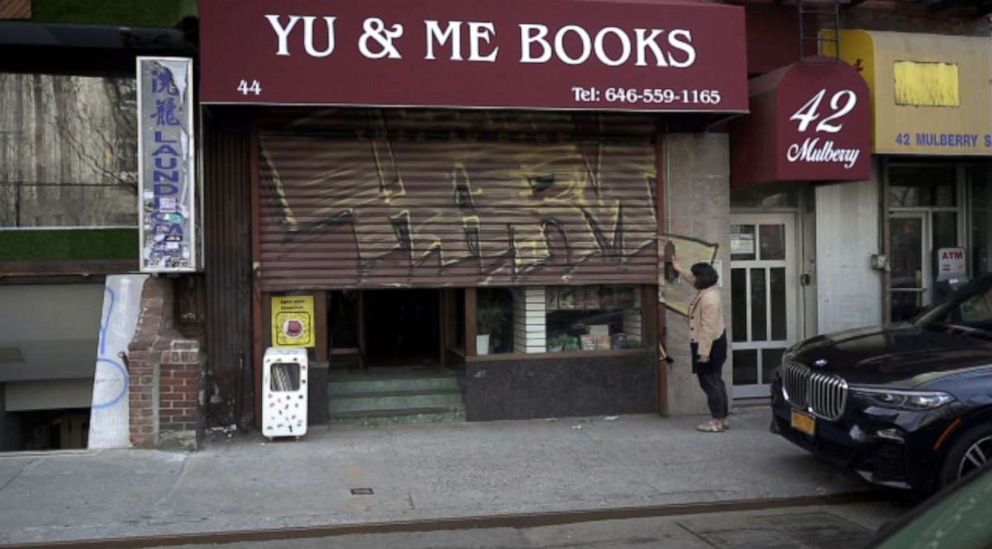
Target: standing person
{"type": "Point", "coordinates": [708, 342]}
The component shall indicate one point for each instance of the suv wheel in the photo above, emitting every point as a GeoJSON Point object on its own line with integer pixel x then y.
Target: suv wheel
{"type": "Point", "coordinates": [971, 451]}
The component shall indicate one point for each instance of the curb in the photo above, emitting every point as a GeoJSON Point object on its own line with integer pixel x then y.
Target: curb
{"type": "Point", "coordinates": [514, 520]}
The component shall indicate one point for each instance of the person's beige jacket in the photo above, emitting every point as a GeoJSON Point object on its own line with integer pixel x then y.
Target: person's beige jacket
{"type": "Point", "coordinates": [705, 317]}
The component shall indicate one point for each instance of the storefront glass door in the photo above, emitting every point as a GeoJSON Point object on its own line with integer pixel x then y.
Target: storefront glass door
{"type": "Point", "coordinates": [909, 272]}
{"type": "Point", "coordinates": [925, 215]}
{"type": "Point", "coordinates": [979, 180]}
{"type": "Point", "coordinates": [763, 289]}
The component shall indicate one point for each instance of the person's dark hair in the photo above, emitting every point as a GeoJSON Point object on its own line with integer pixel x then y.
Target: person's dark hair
{"type": "Point", "coordinates": [705, 275]}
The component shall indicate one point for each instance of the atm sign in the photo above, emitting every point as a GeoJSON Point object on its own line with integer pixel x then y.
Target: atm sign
{"type": "Point", "coordinates": [951, 262]}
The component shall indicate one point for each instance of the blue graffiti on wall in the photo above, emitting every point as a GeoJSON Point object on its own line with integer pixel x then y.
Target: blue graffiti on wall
{"type": "Point", "coordinates": [104, 327]}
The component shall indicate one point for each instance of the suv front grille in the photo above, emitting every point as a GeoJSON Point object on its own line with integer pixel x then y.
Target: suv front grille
{"type": "Point", "coordinates": [823, 395]}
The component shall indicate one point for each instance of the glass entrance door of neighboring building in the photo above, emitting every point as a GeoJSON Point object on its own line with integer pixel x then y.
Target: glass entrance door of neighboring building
{"type": "Point", "coordinates": [979, 180]}
{"type": "Point", "coordinates": [909, 275]}
{"type": "Point", "coordinates": [763, 291]}
{"type": "Point", "coordinates": [925, 215]}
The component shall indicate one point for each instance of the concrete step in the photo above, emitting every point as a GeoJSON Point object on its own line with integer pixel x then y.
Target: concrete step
{"type": "Point", "coordinates": [394, 395]}
{"type": "Point", "coordinates": [394, 400]}
{"type": "Point", "coordinates": [339, 385]}
{"type": "Point", "coordinates": [409, 415]}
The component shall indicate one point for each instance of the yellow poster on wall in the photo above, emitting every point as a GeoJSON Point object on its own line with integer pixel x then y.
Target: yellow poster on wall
{"type": "Point", "coordinates": [292, 321]}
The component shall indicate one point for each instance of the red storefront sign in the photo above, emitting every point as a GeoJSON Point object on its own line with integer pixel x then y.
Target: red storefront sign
{"type": "Point", "coordinates": [660, 55]}
{"type": "Point", "coordinates": [809, 122]}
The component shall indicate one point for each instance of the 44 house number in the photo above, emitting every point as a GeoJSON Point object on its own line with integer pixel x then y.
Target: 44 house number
{"type": "Point", "coordinates": [255, 87]}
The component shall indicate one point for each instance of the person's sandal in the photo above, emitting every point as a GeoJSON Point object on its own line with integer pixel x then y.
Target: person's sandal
{"type": "Point", "coordinates": [710, 427]}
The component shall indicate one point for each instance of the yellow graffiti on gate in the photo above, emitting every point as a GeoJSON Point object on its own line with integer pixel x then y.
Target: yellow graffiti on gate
{"type": "Point", "coordinates": [507, 206]}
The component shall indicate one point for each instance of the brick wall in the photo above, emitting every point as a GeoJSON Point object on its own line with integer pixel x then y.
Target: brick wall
{"type": "Point", "coordinates": [898, 16]}
{"type": "Point", "coordinates": [166, 374]}
{"type": "Point", "coordinates": [15, 9]}
{"type": "Point", "coordinates": [179, 386]}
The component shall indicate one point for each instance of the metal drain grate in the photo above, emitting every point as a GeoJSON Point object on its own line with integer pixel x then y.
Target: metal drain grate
{"type": "Point", "coordinates": [362, 492]}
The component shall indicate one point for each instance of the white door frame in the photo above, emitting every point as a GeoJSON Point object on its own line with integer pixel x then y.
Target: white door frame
{"type": "Point", "coordinates": [792, 308]}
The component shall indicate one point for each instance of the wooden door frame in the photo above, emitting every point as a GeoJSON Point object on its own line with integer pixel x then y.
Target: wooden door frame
{"type": "Point", "coordinates": [471, 320]}
{"type": "Point", "coordinates": [256, 295]}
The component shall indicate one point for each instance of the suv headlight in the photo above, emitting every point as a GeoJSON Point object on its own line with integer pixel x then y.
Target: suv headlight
{"type": "Point", "coordinates": [904, 400]}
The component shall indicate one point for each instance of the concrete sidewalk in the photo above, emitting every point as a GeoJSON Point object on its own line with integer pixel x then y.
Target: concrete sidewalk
{"type": "Point", "coordinates": [416, 472]}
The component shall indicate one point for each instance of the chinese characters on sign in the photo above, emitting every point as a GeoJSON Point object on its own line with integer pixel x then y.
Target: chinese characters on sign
{"type": "Point", "coordinates": [167, 173]}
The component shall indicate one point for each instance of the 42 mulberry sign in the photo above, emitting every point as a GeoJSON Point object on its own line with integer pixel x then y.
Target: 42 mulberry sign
{"type": "Point", "coordinates": [553, 54]}
{"type": "Point", "coordinates": [809, 122]}
{"type": "Point", "coordinates": [822, 147]}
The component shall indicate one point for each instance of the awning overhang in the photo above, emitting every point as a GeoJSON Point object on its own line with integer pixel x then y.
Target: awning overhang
{"type": "Point", "coordinates": [104, 37]}
{"type": "Point", "coordinates": [684, 56]}
{"type": "Point", "coordinates": [809, 121]}
{"type": "Point", "coordinates": [930, 92]}
{"type": "Point", "coordinates": [98, 50]}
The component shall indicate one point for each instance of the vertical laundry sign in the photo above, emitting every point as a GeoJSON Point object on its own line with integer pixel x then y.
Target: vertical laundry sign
{"type": "Point", "coordinates": [167, 173]}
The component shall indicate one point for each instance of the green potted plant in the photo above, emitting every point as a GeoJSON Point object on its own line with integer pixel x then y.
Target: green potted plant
{"type": "Point", "coordinates": [631, 343]}
{"type": "Point", "coordinates": [489, 327]}
{"type": "Point", "coordinates": [558, 343]}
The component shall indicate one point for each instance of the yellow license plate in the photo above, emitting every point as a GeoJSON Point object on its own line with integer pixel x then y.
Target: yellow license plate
{"type": "Point", "coordinates": [803, 422]}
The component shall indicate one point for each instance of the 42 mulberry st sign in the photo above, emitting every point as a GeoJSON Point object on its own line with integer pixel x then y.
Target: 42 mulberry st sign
{"type": "Point", "coordinates": [549, 54]}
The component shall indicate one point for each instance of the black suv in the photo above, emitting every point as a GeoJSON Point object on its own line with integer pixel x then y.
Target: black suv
{"type": "Point", "coordinates": [907, 406]}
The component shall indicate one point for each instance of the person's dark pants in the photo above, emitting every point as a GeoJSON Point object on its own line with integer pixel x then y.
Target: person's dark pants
{"type": "Point", "coordinates": [710, 376]}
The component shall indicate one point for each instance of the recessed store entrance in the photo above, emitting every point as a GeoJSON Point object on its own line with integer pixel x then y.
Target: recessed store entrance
{"type": "Point", "coordinates": [402, 327]}
{"type": "Point", "coordinates": [385, 358]}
